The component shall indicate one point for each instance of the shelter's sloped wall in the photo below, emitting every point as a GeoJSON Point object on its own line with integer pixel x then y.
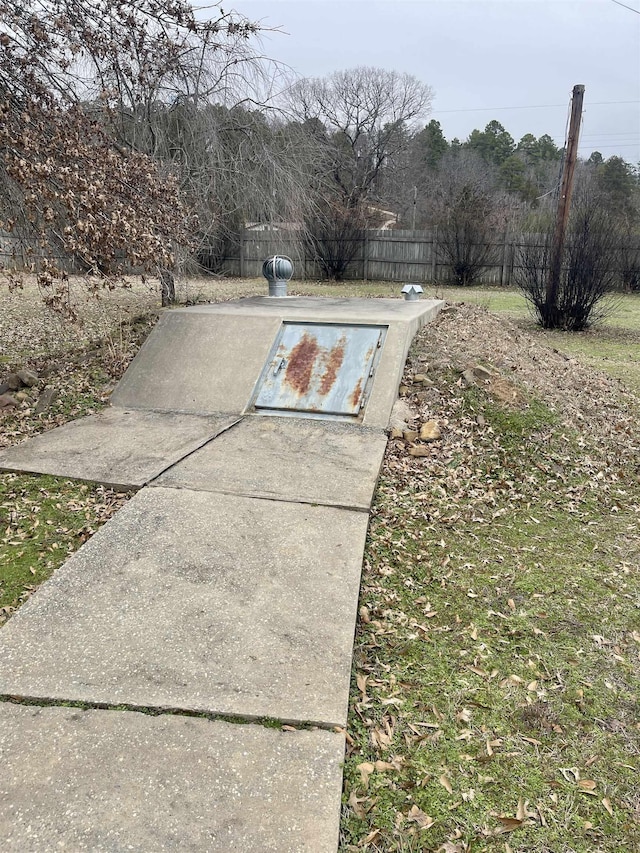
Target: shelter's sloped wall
{"type": "Point", "coordinates": [198, 362]}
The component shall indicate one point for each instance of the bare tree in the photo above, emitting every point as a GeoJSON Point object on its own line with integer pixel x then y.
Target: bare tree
{"type": "Point", "coordinates": [588, 268]}
{"type": "Point", "coordinates": [237, 166]}
{"type": "Point", "coordinates": [78, 82]}
{"type": "Point", "coordinates": [366, 112]}
{"type": "Point", "coordinates": [469, 211]}
{"type": "Point", "coordinates": [360, 120]}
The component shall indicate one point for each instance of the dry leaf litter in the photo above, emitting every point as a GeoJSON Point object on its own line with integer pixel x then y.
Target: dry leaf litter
{"type": "Point", "coordinates": [447, 468]}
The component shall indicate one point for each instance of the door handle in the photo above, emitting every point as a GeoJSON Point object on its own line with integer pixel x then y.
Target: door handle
{"type": "Point", "coordinates": [280, 364]}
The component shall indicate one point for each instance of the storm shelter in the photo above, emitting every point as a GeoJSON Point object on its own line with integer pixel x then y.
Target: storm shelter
{"type": "Point", "coordinates": [226, 587]}
{"type": "Point", "coordinates": [206, 368]}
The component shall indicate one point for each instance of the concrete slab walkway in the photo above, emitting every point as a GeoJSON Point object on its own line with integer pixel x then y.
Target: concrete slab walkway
{"type": "Point", "coordinates": [118, 447]}
{"type": "Point", "coordinates": [120, 781]}
{"type": "Point", "coordinates": [289, 459]}
{"type": "Point", "coordinates": [227, 587]}
{"type": "Point", "coordinates": [251, 614]}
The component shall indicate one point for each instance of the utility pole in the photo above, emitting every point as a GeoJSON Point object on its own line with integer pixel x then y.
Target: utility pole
{"type": "Point", "coordinates": [564, 202]}
{"type": "Point", "coordinates": [413, 218]}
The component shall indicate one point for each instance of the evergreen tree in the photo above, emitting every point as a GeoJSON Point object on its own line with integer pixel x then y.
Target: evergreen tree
{"type": "Point", "coordinates": [494, 143]}
{"type": "Point", "coordinates": [429, 146]}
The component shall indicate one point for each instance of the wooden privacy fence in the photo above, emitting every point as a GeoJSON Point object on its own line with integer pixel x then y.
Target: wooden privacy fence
{"type": "Point", "coordinates": [388, 256]}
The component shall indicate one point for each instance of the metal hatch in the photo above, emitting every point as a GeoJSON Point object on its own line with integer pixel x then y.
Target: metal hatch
{"type": "Point", "coordinates": [320, 368]}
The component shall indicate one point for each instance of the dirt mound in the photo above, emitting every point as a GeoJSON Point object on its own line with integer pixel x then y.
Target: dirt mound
{"type": "Point", "coordinates": [490, 418]}
{"type": "Point", "coordinates": [465, 337]}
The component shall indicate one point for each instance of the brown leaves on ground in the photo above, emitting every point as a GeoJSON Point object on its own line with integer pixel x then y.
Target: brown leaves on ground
{"type": "Point", "coordinates": [467, 460]}
{"type": "Point", "coordinates": [455, 639]}
{"type": "Point", "coordinates": [77, 363]}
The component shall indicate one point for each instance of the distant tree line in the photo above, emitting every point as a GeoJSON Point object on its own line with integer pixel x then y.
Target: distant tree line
{"type": "Point", "coordinates": [135, 135]}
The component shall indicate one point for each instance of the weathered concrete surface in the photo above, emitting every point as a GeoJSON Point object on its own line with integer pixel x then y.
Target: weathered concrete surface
{"type": "Point", "coordinates": [122, 781]}
{"type": "Point", "coordinates": [208, 358]}
{"type": "Point", "coordinates": [116, 447]}
{"type": "Point", "coordinates": [199, 601]}
{"type": "Point", "coordinates": [384, 391]}
{"type": "Point", "coordinates": [331, 310]}
{"type": "Point", "coordinates": [294, 459]}
{"type": "Point", "coordinates": [403, 319]}
{"type": "Point", "coordinates": [198, 362]}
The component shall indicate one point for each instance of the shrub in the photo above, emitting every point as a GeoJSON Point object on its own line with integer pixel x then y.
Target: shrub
{"type": "Point", "coordinates": [587, 272]}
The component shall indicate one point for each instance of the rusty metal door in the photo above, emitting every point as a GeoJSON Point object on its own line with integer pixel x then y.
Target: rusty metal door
{"type": "Point", "coordinates": [320, 368]}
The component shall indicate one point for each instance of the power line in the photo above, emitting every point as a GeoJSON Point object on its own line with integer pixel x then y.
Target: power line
{"type": "Point", "coordinates": [530, 107]}
{"type": "Point", "coordinates": [607, 143]}
{"type": "Point", "coordinates": [624, 6]}
{"type": "Point", "coordinates": [624, 145]}
{"type": "Point", "coordinates": [634, 133]}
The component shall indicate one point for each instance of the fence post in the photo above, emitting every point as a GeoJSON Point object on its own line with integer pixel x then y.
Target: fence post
{"type": "Point", "coordinates": [302, 255]}
{"type": "Point", "coordinates": [512, 259]}
{"type": "Point", "coordinates": [365, 257]}
{"type": "Point", "coordinates": [243, 235]}
{"type": "Point", "coordinates": [505, 259]}
{"type": "Point", "coordinates": [434, 253]}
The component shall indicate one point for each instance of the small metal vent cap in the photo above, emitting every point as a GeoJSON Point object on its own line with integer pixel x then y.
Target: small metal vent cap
{"type": "Point", "coordinates": [278, 271]}
{"type": "Point", "coordinates": [412, 292]}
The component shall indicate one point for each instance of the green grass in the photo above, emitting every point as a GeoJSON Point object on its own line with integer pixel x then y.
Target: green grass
{"type": "Point", "coordinates": [42, 521]}
{"type": "Point", "coordinates": [614, 349]}
{"type": "Point", "coordinates": [497, 672]}
{"type": "Point", "coordinates": [494, 702]}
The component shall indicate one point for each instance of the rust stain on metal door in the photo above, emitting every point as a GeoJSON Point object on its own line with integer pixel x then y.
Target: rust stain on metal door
{"type": "Point", "coordinates": [333, 363]}
{"type": "Point", "coordinates": [320, 368]}
{"type": "Point", "coordinates": [300, 364]}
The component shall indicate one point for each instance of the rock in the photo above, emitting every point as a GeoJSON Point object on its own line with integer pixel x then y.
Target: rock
{"type": "Point", "coordinates": [504, 391]}
{"type": "Point", "coordinates": [49, 370]}
{"type": "Point", "coordinates": [410, 435]}
{"type": "Point", "coordinates": [430, 431]}
{"type": "Point", "coordinates": [10, 383]}
{"type": "Point", "coordinates": [401, 414]}
{"type": "Point", "coordinates": [419, 450]}
{"type": "Point", "coordinates": [421, 379]}
{"type": "Point", "coordinates": [469, 377]}
{"type": "Point", "coordinates": [396, 432]}
{"type": "Point", "coordinates": [480, 420]}
{"type": "Point", "coordinates": [27, 377]}
{"type": "Point", "coordinates": [21, 396]}
{"type": "Point", "coordinates": [45, 399]}
{"type": "Point", "coordinates": [7, 401]}
{"type": "Point", "coordinates": [404, 390]}
{"type": "Point", "coordinates": [482, 374]}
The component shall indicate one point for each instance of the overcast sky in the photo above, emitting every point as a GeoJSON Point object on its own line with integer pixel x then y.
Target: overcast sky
{"type": "Point", "coordinates": [511, 60]}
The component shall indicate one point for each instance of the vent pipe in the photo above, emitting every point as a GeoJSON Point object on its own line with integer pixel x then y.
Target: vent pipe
{"type": "Point", "coordinates": [277, 271]}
